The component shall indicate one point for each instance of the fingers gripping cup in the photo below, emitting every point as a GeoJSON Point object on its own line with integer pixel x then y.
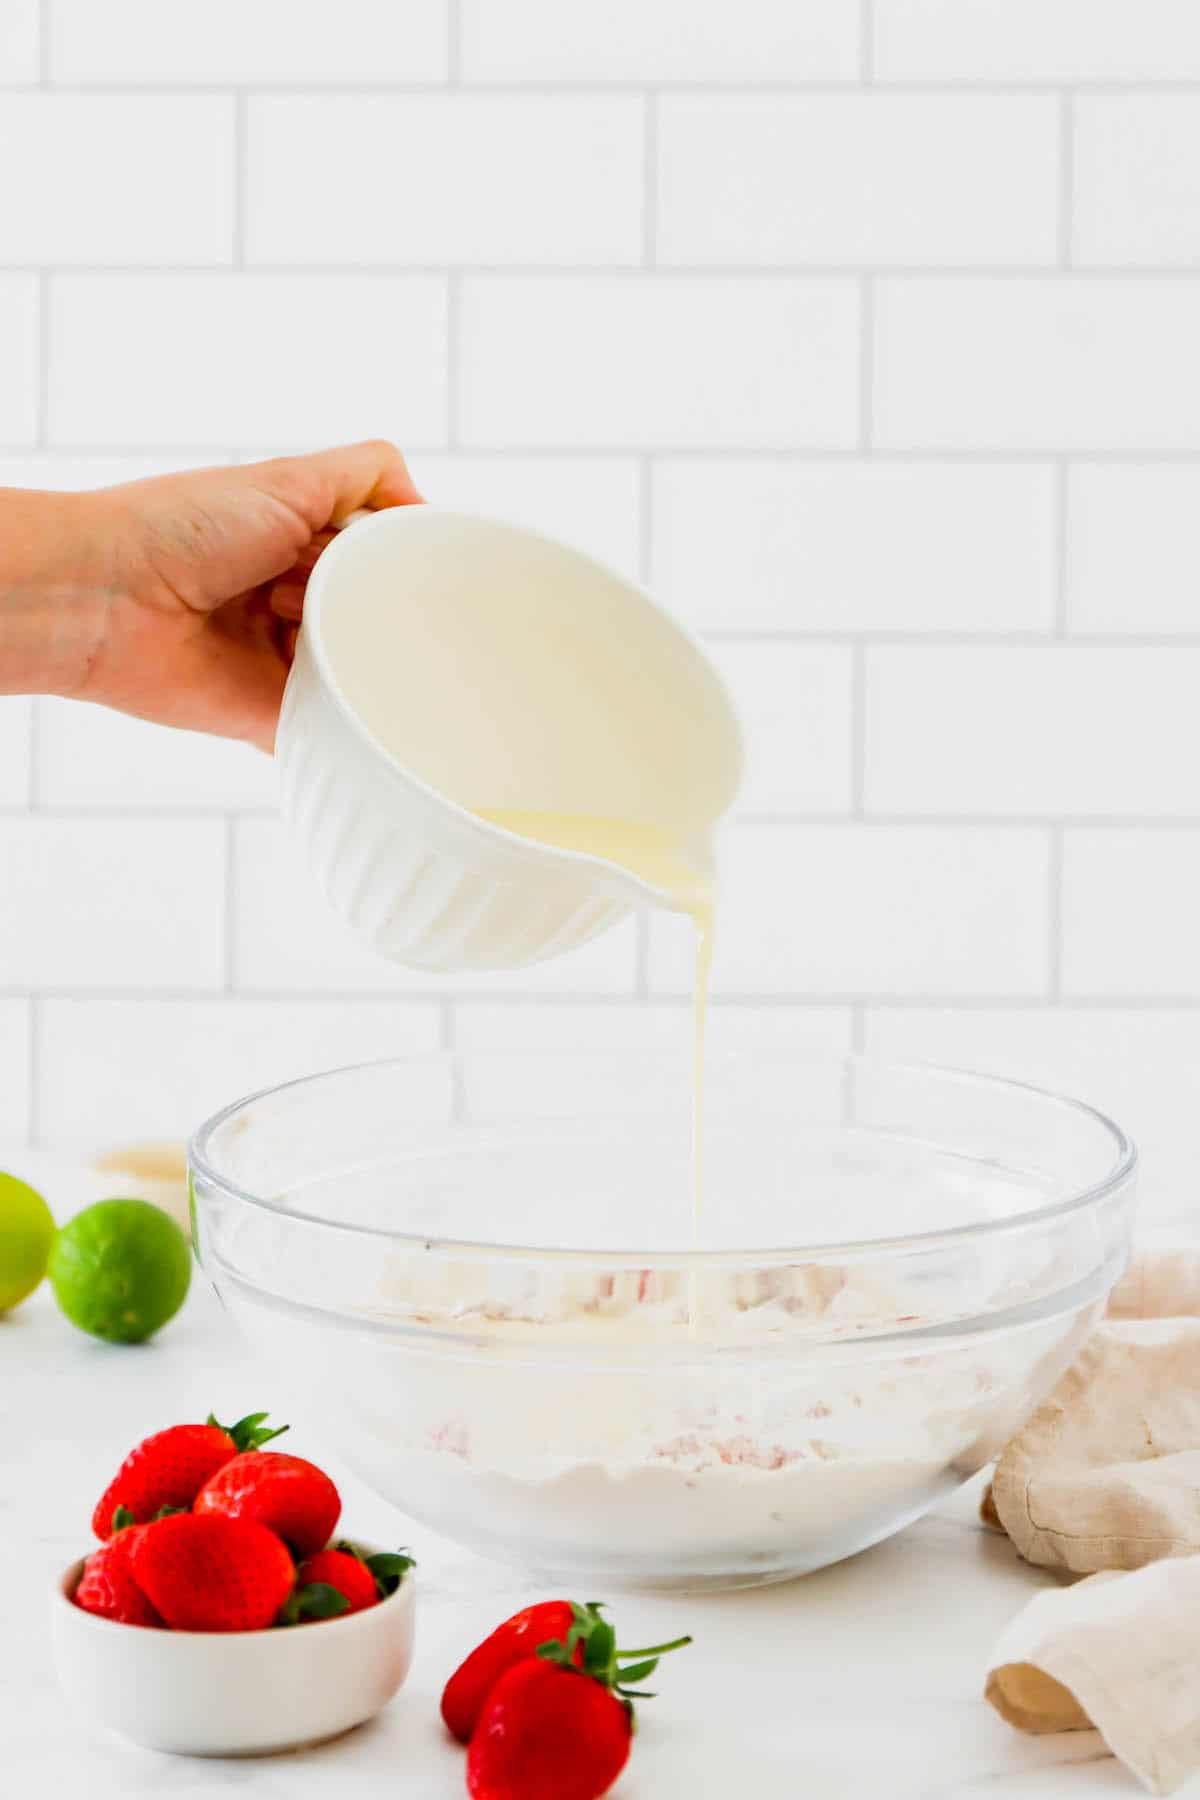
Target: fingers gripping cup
{"type": "Point", "coordinates": [451, 672]}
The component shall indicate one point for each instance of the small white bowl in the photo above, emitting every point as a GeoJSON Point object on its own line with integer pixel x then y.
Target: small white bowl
{"type": "Point", "coordinates": [232, 1693]}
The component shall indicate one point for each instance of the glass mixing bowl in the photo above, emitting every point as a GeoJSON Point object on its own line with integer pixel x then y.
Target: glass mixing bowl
{"type": "Point", "coordinates": [488, 1274]}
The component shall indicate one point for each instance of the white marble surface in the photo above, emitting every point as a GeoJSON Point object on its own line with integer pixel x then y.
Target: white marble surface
{"type": "Point", "coordinates": [861, 1681]}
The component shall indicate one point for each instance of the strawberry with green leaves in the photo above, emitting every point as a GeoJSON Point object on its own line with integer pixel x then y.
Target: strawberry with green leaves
{"type": "Point", "coordinates": [290, 1496]}
{"type": "Point", "coordinates": [168, 1469]}
{"type": "Point", "coordinates": [212, 1574]}
{"type": "Point", "coordinates": [465, 1694]}
{"type": "Point", "coordinates": [343, 1580]}
{"type": "Point", "coordinates": [551, 1730]}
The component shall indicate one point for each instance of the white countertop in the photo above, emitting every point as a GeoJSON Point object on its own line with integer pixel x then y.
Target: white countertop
{"type": "Point", "coordinates": [861, 1681]}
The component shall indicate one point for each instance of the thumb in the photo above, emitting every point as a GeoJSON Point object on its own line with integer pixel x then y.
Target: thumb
{"type": "Point", "coordinates": [326, 486]}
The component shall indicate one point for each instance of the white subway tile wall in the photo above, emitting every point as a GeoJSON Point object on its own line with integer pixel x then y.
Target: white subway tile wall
{"type": "Point", "coordinates": [16, 1073]}
{"type": "Point", "coordinates": [1133, 549]}
{"type": "Point", "coordinates": [855, 547]}
{"type": "Point", "coordinates": [864, 330]}
{"type": "Point", "coordinates": [16, 745]}
{"type": "Point", "coordinates": [212, 358]}
{"type": "Point", "coordinates": [127, 43]}
{"type": "Point", "coordinates": [869, 180]}
{"type": "Point", "coordinates": [139, 1066]}
{"type": "Point", "coordinates": [20, 39]}
{"type": "Point", "coordinates": [97, 903]}
{"type": "Point", "coordinates": [1048, 732]}
{"type": "Point", "coordinates": [469, 178]}
{"type": "Point", "coordinates": [87, 755]}
{"type": "Point", "coordinates": [1137, 180]}
{"type": "Point", "coordinates": [117, 178]}
{"type": "Point", "coordinates": [594, 502]}
{"type": "Point", "coordinates": [851, 910]}
{"type": "Point", "coordinates": [1130, 902]}
{"type": "Point", "coordinates": [661, 42]}
{"type": "Point", "coordinates": [650, 359]}
{"type": "Point", "coordinates": [1035, 40]}
{"type": "Point", "coordinates": [19, 358]}
{"type": "Point", "coordinates": [1049, 362]}
{"type": "Point", "coordinates": [800, 755]}
{"type": "Point", "coordinates": [1141, 1066]}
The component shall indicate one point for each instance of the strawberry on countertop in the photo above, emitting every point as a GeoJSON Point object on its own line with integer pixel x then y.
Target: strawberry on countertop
{"type": "Point", "coordinates": [553, 1731]}
{"type": "Point", "coordinates": [290, 1496]}
{"type": "Point", "coordinates": [467, 1690]}
{"type": "Point", "coordinates": [212, 1574]}
{"type": "Point", "coordinates": [168, 1469]}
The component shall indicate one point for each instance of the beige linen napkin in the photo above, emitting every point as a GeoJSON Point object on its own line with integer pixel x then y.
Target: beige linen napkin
{"type": "Point", "coordinates": [1106, 1474]}
{"type": "Point", "coordinates": [1105, 1478]}
{"type": "Point", "coordinates": [1120, 1652]}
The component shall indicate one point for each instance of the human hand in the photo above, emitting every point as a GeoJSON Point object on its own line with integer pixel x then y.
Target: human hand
{"type": "Point", "coordinates": [177, 599]}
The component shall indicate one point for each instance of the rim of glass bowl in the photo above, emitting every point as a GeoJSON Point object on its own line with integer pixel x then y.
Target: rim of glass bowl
{"type": "Point", "coordinates": [1126, 1158]}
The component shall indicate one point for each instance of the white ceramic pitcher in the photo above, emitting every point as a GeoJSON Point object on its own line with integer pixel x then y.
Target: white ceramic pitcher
{"type": "Point", "coordinates": [449, 665]}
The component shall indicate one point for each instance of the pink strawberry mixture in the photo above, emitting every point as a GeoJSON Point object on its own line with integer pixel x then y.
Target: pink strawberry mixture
{"type": "Point", "coordinates": [202, 1529]}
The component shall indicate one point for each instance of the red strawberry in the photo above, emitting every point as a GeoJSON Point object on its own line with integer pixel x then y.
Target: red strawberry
{"type": "Point", "coordinates": [350, 1579]}
{"type": "Point", "coordinates": [212, 1574]}
{"type": "Point", "coordinates": [293, 1497]}
{"type": "Point", "coordinates": [169, 1468]}
{"type": "Point", "coordinates": [107, 1587]}
{"type": "Point", "coordinates": [343, 1580]}
{"type": "Point", "coordinates": [467, 1690]}
{"type": "Point", "coordinates": [551, 1731]}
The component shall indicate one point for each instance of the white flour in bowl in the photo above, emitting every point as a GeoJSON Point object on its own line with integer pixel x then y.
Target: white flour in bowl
{"type": "Point", "coordinates": [764, 1422]}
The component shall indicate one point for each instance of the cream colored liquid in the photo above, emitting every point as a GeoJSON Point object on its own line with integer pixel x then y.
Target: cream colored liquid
{"type": "Point", "coordinates": [650, 855]}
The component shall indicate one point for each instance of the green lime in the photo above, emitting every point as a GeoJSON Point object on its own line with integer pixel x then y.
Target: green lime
{"type": "Point", "coordinates": [26, 1234]}
{"type": "Point", "coordinates": [120, 1269]}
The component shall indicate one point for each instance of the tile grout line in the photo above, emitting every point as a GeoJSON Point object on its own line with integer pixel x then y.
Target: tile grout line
{"type": "Point", "coordinates": [1046, 87]}
{"type": "Point", "coordinates": [801, 1001]}
{"type": "Point", "coordinates": [808, 819]}
{"type": "Point", "coordinates": [838, 456]}
{"type": "Point", "coordinates": [628, 269]}
{"type": "Point", "coordinates": [650, 182]}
